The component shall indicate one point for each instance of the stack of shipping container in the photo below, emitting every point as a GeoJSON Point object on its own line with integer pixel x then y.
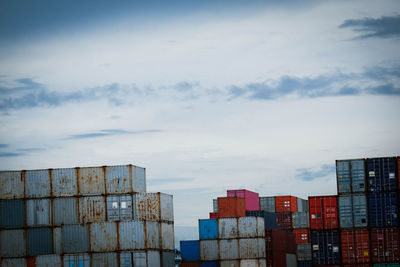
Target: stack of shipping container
{"type": "Point", "coordinates": [92, 216]}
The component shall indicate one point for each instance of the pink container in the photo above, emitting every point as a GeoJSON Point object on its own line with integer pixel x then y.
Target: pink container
{"type": "Point", "coordinates": [250, 198]}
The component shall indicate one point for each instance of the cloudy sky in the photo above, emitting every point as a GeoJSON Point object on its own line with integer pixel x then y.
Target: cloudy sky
{"type": "Point", "coordinates": [207, 95]}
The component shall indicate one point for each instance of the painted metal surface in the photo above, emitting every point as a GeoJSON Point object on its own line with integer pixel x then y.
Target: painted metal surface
{"type": "Point", "coordinates": [132, 235]}
{"type": "Point", "coordinates": [285, 204]}
{"type": "Point", "coordinates": [38, 212]}
{"type": "Point", "coordinates": [353, 211]}
{"type": "Point", "coordinates": [343, 176]}
{"type": "Point", "coordinates": [77, 260]}
{"type": "Point", "coordinates": [385, 245]}
{"type": "Point", "coordinates": [109, 259]}
{"type": "Point", "coordinates": [139, 259]}
{"type": "Point", "coordinates": [249, 227]}
{"type": "Point", "coordinates": [147, 206]}
{"type": "Point", "coordinates": [37, 183]}
{"type": "Point", "coordinates": [358, 177]}
{"type": "Point", "coordinates": [12, 243]}
{"type": "Point", "coordinates": [153, 258]}
{"type": "Point", "coordinates": [229, 263]}
{"type": "Point", "coordinates": [152, 235]}
{"type": "Point", "coordinates": [251, 198]}
{"type": "Point", "coordinates": [167, 207]}
{"type": "Point", "coordinates": [382, 174]}
{"type": "Point", "coordinates": [302, 235]}
{"type": "Point", "coordinates": [167, 259]}
{"type": "Point", "coordinates": [277, 240]}
{"type": "Point", "coordinates": [302, 205]}
{"type": "Point", "coordinates": [215, 205]}
{"type": "Point", "coordinates": [12, 213]}
{"type": "Point", "coordinates": [383, 209]}
{"type": "Point", "coordinates": [39, 241]}
{"type": "Point", "coordinates": [209, 250]}
{"type": "Point", "coordinates": [139, 180]}
{"type": "Point", "coordinates": [16, 262]}
{"type": "Point", "coordinates": [57, 240]}
{"type": "Point", "coordinates": [48, 261]}
{"type": "Point", "coordinates": [103, 237]}
{"type": "Point", "coordinates": [325, 247]}
{"type": "Point", "coordinates": [345, 211]}
{"type": "Point", "coordinates": [91, 181]}
{"type": "Point", "coordinates": [228, 228]}
{"type": "Point", "coordinates": [229, 249]}
{"type": "Point", "coordinates": [231, 207]}
{"type": "Point", "coordinates": [355, 246]}
{"type": "Point", "coordinates": [11, 185]}
{"type": "Point", "coordinates": [210, 264]}
{"type": "Point", "coordinates": [190, 250]}
{"type": "Point", "coordinates": [251, 248]}
{"type": "Point", "coordinates": [64, 182]}
{"type": "Point", "coordinates": [252, 263]}
{"type": "Point", "coordinates": [119, 208]}
{"type": "Point", "coordinates": [323, 212]}
{"type": "Point", "coordinates": [65, 210]}
{"type": "Point", "coordinates": [284, 220]}
{"type": "Point", "coordinates": [92, 209]}
{"type": "Point", "coordinates": [267, 204]}
{"type": "Point", "coordinates": [118, 179]}
{"type": "Point", "coordinates": [300, 220]}
{"type": "Point", "coordinates": [208, 229]}
{"type": "Point", "coordinates": [75, 238]}
{"type": "Point", "coordinates": [167, 236]}
{"type": "Point", "coordinates": [304, 252]}
{"type": "Point", "coordinates": [270, 220]}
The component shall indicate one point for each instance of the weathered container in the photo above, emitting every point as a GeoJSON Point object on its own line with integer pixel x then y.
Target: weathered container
{"type": "Point", "coordinates": [13, 243]}
{"type": "Point", "coordinates": [48, 261]}
{"type": "Point", "coordinates": [251, 248]}
{"type": "Point", "coordinates": [208, 229]}
{"type": "Point", "coordinates": [133, 259]}
{"type": "Point", "coordinates": [304, 252]}
{"type": "Point", "coordinates": [353, 211]}
{"type": "Point", "coordinates": [323, 212]}
{"type": "Point", "coordinates": [228, 228]}
{"type": "Point", "coordinates": [358, 177]}
{"type": "Point", "coordinates": [343, 176]}
{"type": "Point", "coordinates": [291, 260]}
{"type": "Point", "coordinates": [215, 205]}
{"type": "Point", "coordinates": [64, 182]}
{"type": "Point", "coordinates": [213, 215]}
{"type": "Point", "coordinates": [119, 208]}
{"type": "Point", "coordinates": [385, 245]}
{"type": "Point", "coordinates": [167, 207]}
{"type": "Point", "coordinates": [209, 250]}
{"type": "Point", "coordinates": [153, 258]}
{"type": "Point", "coordinates": [152, 235]}
{"type": "Point", "coordinates": [210, 264]}
{"type": "Point", "coordinates": [325, 247]}
{"type": "Point", "coordinates": [147, 206]}
{"type": "Point", "coordinates": [12, 213]}
{"type": "Point", "coordinates": [190, 250]}
{"type": "Point", "coordinates": [284, 220]}
{"type": "Point", "coordinates": [302, 236]}
{"type": "Point", "coordinates": [57, 240]}
{"type": "Point", "coordinates": [231, 207]}
{"type": "Point", "coordinates": [302, 205]}
{"type": "Point", "coordinates": [300, 220]}
{"type": "Point", "coordinates": [167, 236]}
{"type": "Point", "coordinates": [229, 263]}
{"type": "Point", "coordinates": [80, 260]}
{"type": "Point", "coordinates": [65, 210]}
{"type": "Point", "coordinates": [14, 262]}
{"type": "Point", "coordinates": [229, 249]}
{"type": "Point", "coordinates": [355, 246]}
{"type": "Point", "coordinates": [103, 237]}
{"type": "Point", "coordinates": [91, 181]}
{"type": "Point", "coordinates": [285, 204]}
{"type": "Point", "coordinates": [37, 183]}
{"type": "Point", "coordinates": [382, 174]}
{"type": "Point", "coordinates": [270, 220]}
{"type": "Point", "coordinates": [12, 185]}
{"type": "Point", "coordinates": [132, 235]}
{"type": "Point", "coordinates": [383, 209]}
{"type": "Point", "coordinates": [167, 259]}
{"type": "Point", "coordinates": [253, 263]}
{"type": "Point", "coordinates": [109, 259]}
{"type": "Point", "coordinates": [277, 240]}
{"type": "Point", "coordinates": [267, 204]}
{"type": "Point", "coordinates": [92, 209]}
{"type": "Point", "coordinates": [118, 179]}
{"type": "Point", "coordinates": [38, 212]}
{"type": "Point", "coordinates": [75, 238]}
{"type": "Point", "coordinates": [351, 176]}
{"type": "Point", "coordinates": [251, 198]}
{"type": "Point", "coordinates": [39, 241]}
{"type": "Point", "coordinates": [139, 180]}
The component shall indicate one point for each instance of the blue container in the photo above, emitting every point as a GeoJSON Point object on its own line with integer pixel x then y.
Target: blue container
{"type": "Point", "coordinates": [353, 211]}
{"type": "Point", "coordinates": [270, 220]}
{"type": "Point", "coordinates": [325, 247]}
{"type": "Point", "coordinates": [382, 174]}
{"type": "Point", "coordinates": [12, 213]}
{"type": "Point", "coordinates": [304, 264]}
{"type": "Point", "coordinates": [40, 241]}
{"type": "Point", "coordinates": [208, 229]}
{"type": "Point", "coordinates": [343, 176]}
{"type": "Point", "coordinates": [209, 264]}
{"type": "Point", "coordinates": [383, 209]}
{"type": "Point", "coordinates": [350, 175]}
{"type": "Point", "coordinates": [190, 250]}
{"type": "Point", "coordinates": [358, 176]}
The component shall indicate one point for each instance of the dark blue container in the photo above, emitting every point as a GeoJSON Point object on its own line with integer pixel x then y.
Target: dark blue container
{"type": "Point", "coordinates": [208, 229]}
{"type": "Point", "coordinates": [382, 175]}
{"type": "Point", "coordinates": [209, 264]}
{"type": "Point", "coordinates": [304, 264]}
{"type": "Point", "coordinates": [190, 250]}
{"type": "Point", "coordinates": [270, 220]}
{"type": "Point", "coordinates": [40, 241]}
{"type": "Point", "coordinates": [12, 213]}
{"type": "Point", "coordinates": [325, 247]}
{"type": "Point", "coordinates": [383, 209]}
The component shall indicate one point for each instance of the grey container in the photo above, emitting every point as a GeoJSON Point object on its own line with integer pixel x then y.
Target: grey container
{"type": "Point", "coordinates": [92, 209]}
{"type": "Point", "coordinates": [64, 182]}
{"type": "Point", "coordinates": [360, 210]}
{"type": "Point", "coordinates": [147, 207]}
{"type": "Point", "coordinates": [302, 205]}
{"type": "Point", "coordinates": [130, 259]}
{"type": "Point", "coordinates": [118, 179]}
{"type": "Point", "coordinates": [251, 227]}
{"type": "Point", "coordinates": [343, 176]}
{"type": "Point", "coordinates": [167, 207]}
{"type": "Point", "coordinates": [291, 260]}
{"type": "Point", "coordinates": [119, 208]}
{"type": "Point", "coordinates": [215, 205]}
{"type": "Point", "coordinates": [152, 235]}
{"type": "Point", "coordinates": [253, 263]}
{"type": "Point", "coordinates": [300, 220]}
{"type": "Point", "coordinates": [168, 259]}
{"type": "Point", "coordinates": [209, 250]}
{"type": "Point", "coordinates": [251, 248]}
{"type": "Point", "coordinates": [15, 262]}
{"type": "Point", "coordinates": [109, 259]}
{"type": "Point", "coordinates": [153, 258]}
{"type": "Point", "coordinates": [229, 249]}
{"type": "Point", "coordinates": [38, 212]}
{"type": "Point", "coordinates": [358, 177]}
{"type": "Point", "coordinates": [353, 211]}
{"type": "Point", "coordinates": [91, 181]}
{"type": "Point", "coordinates": [13, 243]}
{"type": "Point", "coordinates": [12, 213]}
{"type": "Point", "coordinates": [228, 228]}
{"type": "Point", "coordinates": [304, 252]}
{"type": "Point", "coordinates": [267, 204]}
{"type": "Point", "coordinates": [167, 236]}
{"type": "Point", "coordinates": [345, 211]}
{"type": "Point", "coordinates": [75, 238]}
{"type": "Point", "coordinates": [65, 210]}
{"type": "Point", "coordinates": [80, 260]}
{"type": "Point", "coordinates": [48, 261]}
{"type": "Point", "coordinates": [132, 235]}
{"type": "Point", "coordinates": [40, 241]}
{"type": "Point", "coordinates": [139, 180]}
{"type": "Point", "coordinates": [230, 263]}
{"type": "Point", "coordinates": [12, 185]}
{"type": "Point", "coordinates": [103, 237]}
{"type": "Point", "coordinates": [57, 240]}
{"type": "Point", "coordinates": [37, 183]}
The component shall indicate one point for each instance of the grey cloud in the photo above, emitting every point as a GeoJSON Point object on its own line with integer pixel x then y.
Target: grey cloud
{"type": "Point", "coordinates": [383, 27]}
{"type": "Point", "coordinates": [31, 149]}
{"type": "Point", "coordinates": [308, 174]}
{"type": "Point", "coordinates": [10, 154]}
{"type": "Point", "coordinates": [110, 132]}
{"type": "Point", "coordinates": [3, 145]}
{"type": "Point", "coordinates": [169, 180]}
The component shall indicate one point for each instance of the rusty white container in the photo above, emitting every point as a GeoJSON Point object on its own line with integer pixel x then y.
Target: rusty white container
{"type": "Point", "coordinates": [229, 263]}
{"type": "Point", "coordinates": [119, 208]}
{"type": "Point", "coordinates": [153, 207]}
{"type": "Point", "coordinates": [103, 237]}
{"type": "Point", "coordinates": [152, 235]}
{"type": "Point", "coordinates": [91, 181]}
{"type": "Point", "coordinates": [228, 228]}
{"type": "Point", "coordinates": [92, 209]}
{"type": "Point", "coordinates": [75, 238]}
{"type": "Point", "coordinates": [109, 259]}
{"type": "Point", "coordinates": [153, 258]}
{"type": "Point", "coordinates": [65, 210]}
{"type": "Point", "coordinates": [132, 235]}
{"type": "Point", "coordinates": [81, 260]}
{"type": "Point", "coordinates": [51, 260]}
{"type": "Point", "coordinates": [12, 185]}
{"type": "Point", "coordinates": [13, 262]}
{"type": "Point", "coordinates": [37, 183]}
{"type": "Point", "coordinates": [251, 248]}
{"type": "Point", "coordinates": [228, 249]}
{"type": "Point", "coordinates": [253, 263]}
{"type": "Point", "coordinates": [209, 250]}
{"type": "Point", "coordinates": [64, 182]}
{"type": "Point", "coordinates": [38, 212]}
{"type": "Point", "coordinates": [251, 227]}
{"type": "Point", "coordinates": [167, 236]}
{"type": "Point", "coordinates": [12, 243]}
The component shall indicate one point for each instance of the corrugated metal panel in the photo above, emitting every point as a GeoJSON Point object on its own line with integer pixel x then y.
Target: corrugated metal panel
{"type": "Point", "coordinates": [139, 259]}
{"type": "Point", "coordinates": [118, 179]}
{"type": "Point", "coordinates": [358, 176]}
{"type": "Point", "coordinates": [13, 243]}
{"type": "Point", "coordinates": [65, 210]}
{"type": "Point", "coordinates": [360, 212]}
{"type": "Point", "coordinates": [91, 181]}
{"type": "Point", "coordinates": [355, 246]}
{"type": "Point", "coordinates": [75, 238]}
{"type": "Point", "coordinates": [215, 205]}
{"type": "Point", "coordinates": [12, 213]}
{"type": "Point", "coordinates": [302, 205]}
{"type": "Point", "coordinates": [64, 182]}
{"type": "Point", "coordinates": [38, 212]}
{"type": "Point", "coordinates": [249, 263]}
{"type": "Point", "coordinates": [79, 260]}
{"type": "Point", "coordinates": [267, 204]}
{"type": "Point", "coordinates": [300, 220]}
{"type": "Point", "coordinates": [261, 247]}
{"type": "Point", "coordinates": [167, 236]}
{"type": "Point", "coordinates": [231, 207]}
{"type": "Point", "coordinates": [11, 185]}
{"type": "Point", "coordinates": [103, 237]}
{"type": "Point", "coordinates": [251, 198]}
{"type": "Point", "coordinates": [139, 180]}
{"type": "Point", "coordinates": [40, 241]}
{"type": "Point", "coordinates": [286, 204]}
{"type": "Point", "coordinates": [131, 235]}
{"type": "Point", "coordinates": [345, 211]}
{"type": "Point", "coordinates": [291, 260]}
{"type": "Point", "coordinates": [230, 263]}
{"type": "Point", "coordinates": [385, 244]}
{"type": "Point", "coordinates": [261, 226]}
{"type": "Point", "coordinates": [153, 258]}
{"type": "Point", "coordinates": [208, 228]}
{"type": "Point", "coordinates": [343, 176]}
{"type": "Point", "coordinates": [229, 249]}
{"type": "Point", "coordinates": [325, 247]}
{"type": "Point", "coordinates": [167, 207]}
{"type": "Point", "coordinates": [57, 241]}
{"type": "Point", "coordinates": [248, 227]}
{"type": "Point", "coordinates": [209, 250]}
{"type": "Point", "coordinates": [210, 264]}
{"type": "Point", "coordinates": [304, 252]}
{"type": "Point", "coordinates": [119, 208]}
{"type": "Point", "coordinates": [302, 236]}
{"type": "Point", "coordinates": [190, 250]}
{"type": "Point", "coordinates": [269, 220]}
{"type": "Point", "coordinates": [353, 211]}
{"type": "Point", "coordinates": [48, 261]}
{"type": "Point", "coordinates": [105, 259]}
{"type": "Point", "coordinates": [382, 174]}
{"type": "Point", "coordinates": [18, 262]}
{"type": "Point", "coordinates": [37, 183]}
{"type": "Point", "coordinates": [147, 206]}
{"type": "Point", "coordinates": [284, 220]}
{"type": "Point", "coordinates": [250, 248]}
{"type": "Point", "coordinates": [92, 209]}
{"type": "Point", "coordinates": [383, 209]}
{"type": "Point", "coordinates": [228, 228]}
{"type": "Point", "coordinates": [168, 259]}
{"type": "Point", "coordinates": [125, 259]}
{"type": "Point", "coordinates": [152, 235]}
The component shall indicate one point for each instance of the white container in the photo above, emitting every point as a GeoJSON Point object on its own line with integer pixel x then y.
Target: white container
{"type": "Point", "coordinates": [209, 250]}
{"type": "Point", "coordinates": [131, 235]}
{"type": "Point", "coordinates": [38, 212]}
{"type": "Point", "coordinates": [103, 237]}
{"type": "Point", "coordinates": [228, 228]}
{"type": "Point", "coordinates": [48, 261]}
{"type": "Point", "coordinates": [229, 249]}
{"type": "Point", "coordinates": [11, 185]}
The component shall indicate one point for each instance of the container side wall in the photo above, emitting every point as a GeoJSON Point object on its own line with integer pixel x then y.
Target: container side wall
{"type": "Point", "coordinates": [38, 212]}
{"type": "Point", "coordinates": [118, 180]}
{"type": "Point", "coordinates": [91, 181]}
{"type": "Point", "coordinates": [40, 241]}
{"type": "Point", "coordinates": [229, 249]}
{"type": "Point", "coordinates": [12, 213]}
{"type": "Point", "coordinates": [75, 238]}
{"type": "Point", "coordinates": [65, 210]}
{"type": "Point", "coordinates": [228, 228]}
{"type": "Point", "coordinates": [131, 235]}
{"type": "Point", "coordinates": [13, 243]}
{"type": "Point", "coordinates": [64, 182]}
{"type": "Point", "coordinates": [105, 259]}
{"type": "Point", "coordinates": [11, 185]}
{"type": "Point", "coordinates": [37, 183]}
{"type": "Point", "coordinates": [103, 237]}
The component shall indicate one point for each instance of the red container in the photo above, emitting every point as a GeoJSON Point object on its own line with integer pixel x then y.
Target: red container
{"type": "Point", "coordinates": [31, 262]}
{"type": "Point", "coordinates": [323, 212]}
{"type": "Point", "coordinates": [286, 204]}
{"type": "Point", "coordinates": [231, 207]}
{"type": "Point", "coordinates": [251, 198]}
{"type": "Point", "coordinates": [302, 236]}
{"type": "Point", "coordinates": [280, 241]}
{"type": "Point", "coordinates": [355, 246]}
{"type": "Point", "coordinates": [284, 220]}
{"type": "Point", "coordinates": [213, 215]}
{"type": "Point", "coordinates": [276, 259]}
{"type": "Point", "coordinates": [191, 264]}
{"type": "Point", "coordinates": [385, 245]}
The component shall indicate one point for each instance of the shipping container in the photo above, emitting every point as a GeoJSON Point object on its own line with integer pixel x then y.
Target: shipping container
{"type": "Point", "coordinates": [215, 205]}
{"type": "Point", "coordinates": [133, 259]}
{"type": "Point", "coordinates": [12, 213]}
{"type": "Point", "coordinates": [12, 185]}
{"type": "Point", "coordinates": [39, 241]}
{"type": "Point", "coordinates": [213, 215]}
{"type": "Point", "coordinates": [91, 181]}
{"type": "Point", "coordinates": [132, 235]}
{"type": "Point", "coordinates": [209, 250]}
{"type": "Point", "coordinates": [152, 235]}
{"type": "Point", "coordinates": [270, 220]}
{"type": "Point", "coordinates": [355, 246]}
{"type": "Point", "coordinates": [191, 264]}
{"type": "Point", "coordinates": [277, 240]}
{"type": "Point", "coordinates": [14, 262]}
{"type": "Point", "coordinates": [231, 207]}
{"type": "Point", "coordinates": [385, 245]}
{"type": "Point", "coordinates": [209, 264]}
{"type": "Point", "coordinates": [13, 243]}
{"type": "Point", "coordinates": [383, 209]}
{"type": "Point", "coordinates": [119, 208]}
{"type": "Point", "coordinates": [167, 259]}
{"type": "Point", "coordinates": [278, 259]}
{"type": "Point", "coordinates": [65, 210]}
{"type": "Point", "coordinates": [109, 259]}
{"type": "Point", "coordinates": [37, 183]}
{"type": "Point", "coordinates": [323, 212]}
{"type": "Point", "coordinates": [229, 263]}
{"type": "Point", "coordinates": [251, 198]}
{"type": "Point", "coordinates": [118, 179]}
{"type": "Point", "coordinates": [251, 227]}
{"type": "Point", "coordinates": [300, 220]}
{"type": "Point", "coordinates": [285, 204]}
{"type": "Point", "coordinates": [57, 240]}
{"type": "Point", "coordinates": [251, 248]}
{"type": "Point", "coordinates": [343, 176]}
{"type": "Point", "coordinates": [38, 212]}
{"type": "Point", "coordinates": [167, 236]}
{"type": "Point", "coordinates": [190, 250]}
{"type": "Point", "coordinates": [48, 261]}
{"type": "Point", "coordinates": [229, 249]}
{"type": "Point", "coordinates": [267, 204]}
{"type": "Point", "coordinates": [139, 180]}
{"type": "Point", "coordinates": [80, 260]}
{"type": "Point", "coordinates": [351, 176]}
{"type": "Point", "coordinates": [382, 174]}
{"type": "Point", "coordinates": [304, 264]}
{"type": "Point", "coordinates": [302, 236]}
{"type": "Point", "coordinates": [302, 205]}
{"type": "Point", "coordinates": [325, 247]}
{"type": "Point", "coordinates": [291, 260]}
{"type": "Point", "coordinates": [153, 258]}
{"type": "Point", "coordinates": [228, 228]}
{"type": "Point", "coordinates": [167, 207]}
{"type": "Point", "coordinates": [284, 220]}
{"type": "Point", "coordinates": [147, 207]}
{"type": "Point", "coordinates": [353, 211]}
{"type": "Point", "coordinates": [208, 228]}
{"type": "Point", "coordinates": [92, 209]}
{"type": "Point", "coordinates": [64, 182]}
{"type": "Point", "coordinates": [253, 263]}
{"type": "Point", "coordinates": [75, 238]}
{"type": "Point", "coordinates": [304, 252]}
{"type": "Point", "coordinates": [103, 237]}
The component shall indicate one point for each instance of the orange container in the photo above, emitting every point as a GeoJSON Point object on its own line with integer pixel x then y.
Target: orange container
{"type": "Point", "coordinates": [302, 236]}
{"type": "Point", "coordinates": [231, 207]}
{"type": "Point", "coordinates": [285, 204]}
